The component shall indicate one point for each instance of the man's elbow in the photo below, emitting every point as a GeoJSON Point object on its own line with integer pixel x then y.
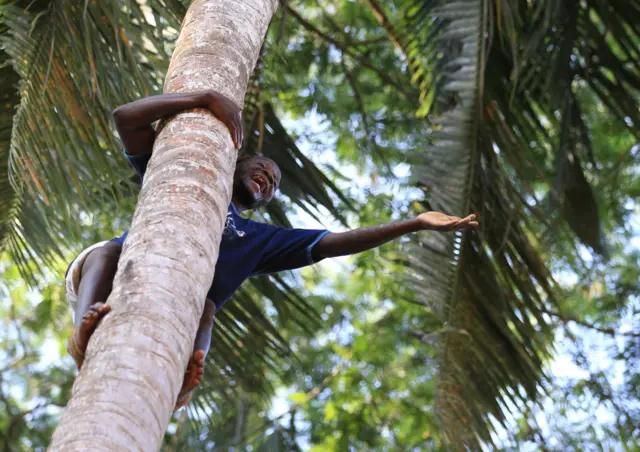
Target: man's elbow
{"type": "Point", "coordinates": [120, 117]}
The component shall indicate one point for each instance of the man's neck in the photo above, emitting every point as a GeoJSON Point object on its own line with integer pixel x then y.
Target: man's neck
{"type": "Point", "coordinates": [237, 204]}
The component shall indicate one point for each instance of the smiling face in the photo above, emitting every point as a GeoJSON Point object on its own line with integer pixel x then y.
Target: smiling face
{"type": "Point", "coordinates": [255, 182]}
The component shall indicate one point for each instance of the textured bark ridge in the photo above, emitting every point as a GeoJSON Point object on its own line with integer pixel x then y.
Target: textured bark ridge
{"type": "Point", "coordinates": [124, 395]}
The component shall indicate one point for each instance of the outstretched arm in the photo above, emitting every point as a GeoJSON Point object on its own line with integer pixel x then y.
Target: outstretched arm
{"type": "Point", "coordinates": [363, 239]}
{"type": "Point", "coordinates": [134, 120]}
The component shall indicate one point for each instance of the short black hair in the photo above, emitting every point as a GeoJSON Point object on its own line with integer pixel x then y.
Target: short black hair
{"type": "Point", "coordinates": [244, 157]}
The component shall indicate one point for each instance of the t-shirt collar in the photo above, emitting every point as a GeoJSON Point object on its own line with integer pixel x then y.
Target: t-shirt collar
{"type": "Point", "coordinates": [233, 208]}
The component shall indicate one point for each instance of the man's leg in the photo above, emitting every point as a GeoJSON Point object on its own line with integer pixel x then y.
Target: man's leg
{"type": "Point", "coordinates": [195, 368]}
{"type": "Point", "coordinates": [96, 282]}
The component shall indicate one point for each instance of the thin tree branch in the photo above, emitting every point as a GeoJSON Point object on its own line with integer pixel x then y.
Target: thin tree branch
{"type": "Point", "coordinates": [358, 98]}
{"type": "Point", "coordinates": [350, 40]}
{"type": "Point", "coordinates": [312, 393]}
{"type": "Point", "coordinates": [392, 34]}
{"type": "Point", "coordinates": [15, 419]}
{"type": "Point", "coordinates": [344, 48]}
{"type": "Point", "coordinates": [566, 319]}
{"type": "Point", "coordinates": [240, 422]}
{"type": "Point", "coordinates": [5, 400]}
{"type": "Point", "coordinates": [428, 337]}
{"type": "Point", "coordinates": [292, 424]}
{"type": "Point", "coordinates": [370, 42]}
{"type": "Point", "coordinates": [384, 21]}
{"type": "Point", "coordinates": [16, 361]}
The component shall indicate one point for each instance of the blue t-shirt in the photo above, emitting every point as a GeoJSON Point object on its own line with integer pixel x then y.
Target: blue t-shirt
{"type": "Point", "coordinates": [249, 248]}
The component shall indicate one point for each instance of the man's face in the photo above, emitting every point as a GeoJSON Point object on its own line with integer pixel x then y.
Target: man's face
{"type": "Point", "coordinates": [255, 181]}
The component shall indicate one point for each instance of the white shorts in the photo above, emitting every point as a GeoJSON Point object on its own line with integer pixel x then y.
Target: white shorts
{"type": "Point", "coordinates": [74, 273]}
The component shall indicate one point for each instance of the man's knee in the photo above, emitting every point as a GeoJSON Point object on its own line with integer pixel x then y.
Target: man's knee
{"type": "Point", "coordinates": [106, 256]}
{"type": "Point", "coordinates": [209, 312]}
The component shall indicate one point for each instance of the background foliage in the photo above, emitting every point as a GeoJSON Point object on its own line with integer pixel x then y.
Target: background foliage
{"type": "Point", "coordinates": [523, 336]}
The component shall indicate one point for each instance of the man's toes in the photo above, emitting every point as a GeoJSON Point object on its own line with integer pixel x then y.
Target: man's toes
{"type": "Point", "coordinates": [198, 358]}
{"type": "Point", "coordinates": [90, 314]}
{"type": "Point", "coordinates": [96, 312]}
{"type": "Point", "coordinates": [100, 308]}
{"type": "Point", "coordinates": [88, 317]}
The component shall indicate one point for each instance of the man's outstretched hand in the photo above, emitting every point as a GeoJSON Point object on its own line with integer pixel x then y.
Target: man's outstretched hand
{"type": "Point", "coordinates": [228, 112]}
{"type": "Point", "coordinates": [438, 221]}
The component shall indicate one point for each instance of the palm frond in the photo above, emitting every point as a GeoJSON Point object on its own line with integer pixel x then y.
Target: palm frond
{"type": "Point", "coordinates": [61, 162]}
{"type": "Point", "coordinates": [9, 99]}
{"type": "Point", "coordinates": [529, 114]}
{"type": "Point", "coordinates": [62, 122]}
{"type": "Point", "coordinates": [426, 65]}
{"type": "Point", "coordinates": [487, 287]}
{"type": "Point", "coordinates": [23, 231]}
{"type": "Point", "coordinates": [559, 49]}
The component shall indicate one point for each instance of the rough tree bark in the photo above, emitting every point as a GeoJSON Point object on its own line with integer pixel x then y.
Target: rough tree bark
{"type": "Point", "coordinates": [124, 395]}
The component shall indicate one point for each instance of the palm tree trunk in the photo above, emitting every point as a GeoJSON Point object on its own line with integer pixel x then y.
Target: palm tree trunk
{"type": "Point", "coordinates": [124, 395]}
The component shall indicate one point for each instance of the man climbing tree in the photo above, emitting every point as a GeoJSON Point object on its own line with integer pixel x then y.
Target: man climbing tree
{"type": "Point", "coordinates": [247, 249]}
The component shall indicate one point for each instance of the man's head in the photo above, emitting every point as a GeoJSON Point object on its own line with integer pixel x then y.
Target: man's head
{"type": "Point", "coordinates": [255, 182]}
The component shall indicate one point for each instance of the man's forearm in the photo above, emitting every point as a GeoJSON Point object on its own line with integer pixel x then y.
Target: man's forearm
{"type": "Point", "coordinates": [142, 113]}
{"type": "Point", "coordinates": [363, 239]}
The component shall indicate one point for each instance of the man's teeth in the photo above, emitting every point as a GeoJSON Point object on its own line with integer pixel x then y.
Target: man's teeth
{"type": "Point", "coordinates": [261, 183]}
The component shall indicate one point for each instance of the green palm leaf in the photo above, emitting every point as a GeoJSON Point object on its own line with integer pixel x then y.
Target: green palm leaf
{"type": "Point", "coordinates": [484, 286]}
{"type": "Point", "coordinates": [490, 288]}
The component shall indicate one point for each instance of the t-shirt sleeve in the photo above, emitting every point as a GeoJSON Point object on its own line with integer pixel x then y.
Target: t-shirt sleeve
{"type": "Point", "coordinates": [287, 249]}
{"type": "Point", "coordinates": [139, 163]}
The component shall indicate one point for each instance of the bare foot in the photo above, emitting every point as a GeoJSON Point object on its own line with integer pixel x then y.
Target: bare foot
{"type": "Point", "coordinates": [81, 335]}
{"type": "Point", "coordinates": [192, 378]}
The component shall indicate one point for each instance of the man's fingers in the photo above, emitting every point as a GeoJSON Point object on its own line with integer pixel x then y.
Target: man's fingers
{"type": "Point", "coordinates": [240, 129]}
{"type": "Point", "coordinates": [466, 224]}
{"type": "Point", "coordinates": [230, 124]}
{"type": "Point", "coordinates": [464, 221]}
{"type": "Point", "coordinates": [234, 137]}
{"type": "Point", "coordinates": [236, 134]}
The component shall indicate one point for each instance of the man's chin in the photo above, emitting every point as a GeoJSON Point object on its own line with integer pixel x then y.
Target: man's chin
{"type": "Point", "coordinates": [258, 203]}
{"type": "Point", "coordinates": [251, 199]}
